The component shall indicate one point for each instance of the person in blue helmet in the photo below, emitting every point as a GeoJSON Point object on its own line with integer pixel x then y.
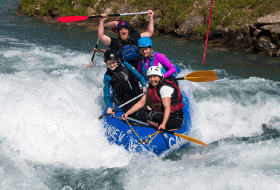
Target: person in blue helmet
{"type": "Point", "coordinates": [151, 58]}
{"type": "Point", "coordinates": [121, 77]}
{"type": "Point", "coordinates": [126, 44]}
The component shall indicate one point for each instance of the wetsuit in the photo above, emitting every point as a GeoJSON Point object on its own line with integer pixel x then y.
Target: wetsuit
{"type": "Point", "coordinates": [125, 87]}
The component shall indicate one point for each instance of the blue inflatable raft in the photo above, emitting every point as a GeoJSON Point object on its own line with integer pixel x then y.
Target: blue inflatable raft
{"type": "Point", "coordinates": [136, 136]}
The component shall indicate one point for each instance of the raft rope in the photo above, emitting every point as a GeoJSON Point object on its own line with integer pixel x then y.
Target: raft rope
{"type": "Point", "coordinates": [139, 139]}
{"type": "Point", "coordinates": [148, 140]}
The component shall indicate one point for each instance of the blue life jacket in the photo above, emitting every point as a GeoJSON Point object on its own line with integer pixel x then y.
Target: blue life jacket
{"type": "Point", "coordinates": [129, 53]}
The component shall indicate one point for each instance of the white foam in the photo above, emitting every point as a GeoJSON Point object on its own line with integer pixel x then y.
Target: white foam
{"type": "Point", "coordinates": [53, 119]}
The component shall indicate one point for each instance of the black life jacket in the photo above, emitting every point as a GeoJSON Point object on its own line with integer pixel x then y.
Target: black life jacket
{"type": "Point", "coordinates": [123, 80]}
{"type": "Point", "coordinates": [155, 99]}
{"type": "Point", "coordinates": [129, 53]}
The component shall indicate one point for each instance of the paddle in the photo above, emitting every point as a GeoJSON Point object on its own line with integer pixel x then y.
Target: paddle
{"type": "Point", "coordinates": [100, 117]}
{"type": "Point", "coordinates": [171, 132]}
{"type": "Point", "coordinates": [81, 18]}
{"type": "Point", "coordinates": [91, 63]}
{"type": "Point", "coordinates": [199, 76]}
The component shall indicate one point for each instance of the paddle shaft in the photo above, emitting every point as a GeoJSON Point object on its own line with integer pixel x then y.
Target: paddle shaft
{"type": "Point", "coordinates": [122, 105]}
{"type": "Point", "coordinates": [121, 14]}
{"type": "Point", "coordinates": [96, 46]}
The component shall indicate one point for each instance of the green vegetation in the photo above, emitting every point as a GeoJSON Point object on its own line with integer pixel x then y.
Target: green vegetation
{"type": "Point", "coordinates": [226, 13]}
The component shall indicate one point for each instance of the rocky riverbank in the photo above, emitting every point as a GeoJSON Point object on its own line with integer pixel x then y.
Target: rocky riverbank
{"type": "Point", "coordinates": [260, 35]}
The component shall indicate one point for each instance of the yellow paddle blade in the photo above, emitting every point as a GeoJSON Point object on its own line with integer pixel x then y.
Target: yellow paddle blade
{"type": "Point", "coordinates": [201, 76]}
{"type": "Point", "coordinates": [191, 139]}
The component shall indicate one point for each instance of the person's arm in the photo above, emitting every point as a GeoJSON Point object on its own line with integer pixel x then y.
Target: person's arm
{"type": "Point", "coordinates": [166, 64]}
{"type": "Point", "coordinates": [166, 102]}
{"type": "Point", "coordinates": [99, 50]}
{"type": "Point", "coordinates": [140, 104]}
{"type": "Point", "coordinates": [150, 29]}
{"type": "Point", "coordinates": [104, 38]}
{"type": "Point", "coordinates": [106, 90]}
{"type": "Point", "coordinates": [136, 73]}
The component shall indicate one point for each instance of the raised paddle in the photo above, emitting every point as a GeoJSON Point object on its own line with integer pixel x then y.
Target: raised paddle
{"type": "Point", "coordinates": [100, 117]}
{"type": "Point", "coordinates": [171, 132]}
{"type": "Point", "coordinates": [81, 18]}
{"type": "Point", "coordinates": [199, 76]}
{"type": "Point", "coordinates": [91, 63]}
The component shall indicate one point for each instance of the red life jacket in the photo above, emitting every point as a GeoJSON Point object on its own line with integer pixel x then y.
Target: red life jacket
{"type": "Point", "coordinates": [155, 100]}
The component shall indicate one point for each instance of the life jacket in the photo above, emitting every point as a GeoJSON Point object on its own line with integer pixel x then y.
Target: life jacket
{"type": "Point", "coordinates": [123, 80]}
{"type": "Point", "coordinates": [129, 53]}
{"type": "Point", "coordinates": [155, 100]}
{"type": "Point", "coordinates": [151, 63]}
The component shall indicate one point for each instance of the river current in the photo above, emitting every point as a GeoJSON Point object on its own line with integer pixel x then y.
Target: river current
{"type": "Point", "coordinates": [51, 137]}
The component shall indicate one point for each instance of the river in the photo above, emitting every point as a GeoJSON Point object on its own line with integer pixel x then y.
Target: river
{"type": "Point", "coordinates": [51, 138]}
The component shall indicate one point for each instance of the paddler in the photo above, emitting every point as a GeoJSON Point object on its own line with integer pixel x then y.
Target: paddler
{"type": "Point", "coordinates": [163, 102]}
{"type": "Point", "coordinates": [151, 58]}
{"type": "Point", "coordinates": [113, 25]}
{"type": "Point", "coordinates": [122, 78]}
{"type": "Point", "coordinates": [126, 45]}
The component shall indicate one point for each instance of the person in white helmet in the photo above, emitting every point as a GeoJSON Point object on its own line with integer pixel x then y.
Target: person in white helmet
{"type": "Point", "coordinates": [163, 102]}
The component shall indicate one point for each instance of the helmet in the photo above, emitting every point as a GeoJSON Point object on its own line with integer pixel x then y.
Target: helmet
{"type": "Point", "coordinates": [145, 42]}
{"type": "Point", "coordinates": [122, 23]}
{"type": "Point", "coordinates": [154, 70]}
{"type": "Point", "coordinates": [110, 55]}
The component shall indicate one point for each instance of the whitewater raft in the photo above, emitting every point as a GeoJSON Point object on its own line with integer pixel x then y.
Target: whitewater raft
{"type": "Point", "coordinates": [136, 137]}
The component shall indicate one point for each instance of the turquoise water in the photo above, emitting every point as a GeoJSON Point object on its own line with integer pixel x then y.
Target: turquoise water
{"type": "Point", "coordinates": [50, 137]}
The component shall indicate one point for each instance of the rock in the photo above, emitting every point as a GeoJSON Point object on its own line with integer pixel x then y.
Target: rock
{"type": "Point", "coordinates": [277, 53]}
{"type": "Point", "coordinates": [267, 20]}
{"type": "Point", "coordinates": [235, 38]}
{"type": "Point", "coordinates": [124, 9]}
{"type": "Point", "coordinates": [76, 5]}
{"type": "Point", "coordinates": [221, 33]}
{"type": "Point", "coordinates": [169, 29]}
{"type": "Point", "coordinates": [247, 42]}
{"type": "Point", "coordinates": [250, 49]}
{"type": "Point", "coordinates": [272, 28]}
{"type": "Point", "coordinates": [90, 11]}
{"type": "Point", "coordinates": [37, 9]}
{"type": "Point", "coordinates": [135, 22]}
{"type": "Point", "coordinates": [55, 13]}
{"type": "Point", "coordinates": [245, 29]}
{"type": "Point", "coordinates": [196, 36]}
{"type": "Point", "coordinates": [187, 27]}
{"type": "Point", "coordinates": [265, 46]}
{"type": "Point", "coordinates": [109, 8]}
{"type": "Point", "coordinates": [256, 32]}
{"type": "Point", "coordinates": [252, 29]}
